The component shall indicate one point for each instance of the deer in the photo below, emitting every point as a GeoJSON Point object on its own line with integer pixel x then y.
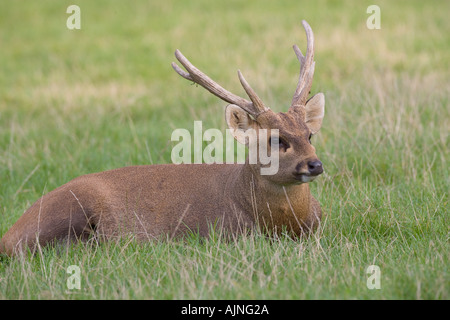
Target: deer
{"type": "Point", "coordinates": [171, 200]}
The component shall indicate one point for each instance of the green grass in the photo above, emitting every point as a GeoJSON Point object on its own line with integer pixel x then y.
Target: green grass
{"type": "Point", "coordinates": [105, 96]}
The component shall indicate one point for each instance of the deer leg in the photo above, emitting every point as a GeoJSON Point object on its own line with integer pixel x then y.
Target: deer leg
{"type": "Point", "coordinates": [56, 217]}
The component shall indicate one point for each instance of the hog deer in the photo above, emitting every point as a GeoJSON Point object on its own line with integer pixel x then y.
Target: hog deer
{"type": "Point", "coordinates": [151, 201]}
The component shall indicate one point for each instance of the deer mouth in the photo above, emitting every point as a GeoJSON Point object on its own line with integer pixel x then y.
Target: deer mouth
{"type": "Point", "coordinates": [304, 177]}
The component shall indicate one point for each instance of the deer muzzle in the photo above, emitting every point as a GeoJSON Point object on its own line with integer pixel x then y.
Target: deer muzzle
{"type": "Point", "coordinates": [307, 171]}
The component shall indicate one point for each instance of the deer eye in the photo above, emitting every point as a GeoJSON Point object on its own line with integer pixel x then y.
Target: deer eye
{"type": "Point", "coordinates": [282, 144]}
{"type": "Point", "coordinates": [309, 138]}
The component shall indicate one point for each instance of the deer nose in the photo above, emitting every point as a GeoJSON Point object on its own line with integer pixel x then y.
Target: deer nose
{"type": "Point", "coordinates": [315, 167]}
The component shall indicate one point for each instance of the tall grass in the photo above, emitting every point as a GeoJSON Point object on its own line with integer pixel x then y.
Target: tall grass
{"type": "Point", "coordinates": [105, 96]}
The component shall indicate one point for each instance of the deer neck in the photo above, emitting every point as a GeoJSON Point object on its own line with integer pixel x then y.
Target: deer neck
{"type": "Point", "coordinates": [269, 204]}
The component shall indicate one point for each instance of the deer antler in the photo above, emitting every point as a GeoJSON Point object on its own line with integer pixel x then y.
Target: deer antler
{"type": "Point", "coordinates": [255, 107]}
{"type": "Point", "coordinates": [306, 68]}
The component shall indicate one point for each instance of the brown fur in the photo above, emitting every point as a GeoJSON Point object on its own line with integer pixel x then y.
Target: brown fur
{"type": "Point", "coordinates": [150, 202]}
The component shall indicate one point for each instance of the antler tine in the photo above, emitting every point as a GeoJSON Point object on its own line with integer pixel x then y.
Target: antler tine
{"type": "Point", "coordinates": [257, 102]}
{"type": "Point", "coordinates": [254, 107]}
{"type": "Point", "coordinates": [307, 65]}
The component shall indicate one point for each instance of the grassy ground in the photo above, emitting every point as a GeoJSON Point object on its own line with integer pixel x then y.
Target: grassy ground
{"type": "Point", "coordinates": [79, 101]}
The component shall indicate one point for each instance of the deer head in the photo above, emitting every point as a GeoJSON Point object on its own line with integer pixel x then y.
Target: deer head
{"type": "Point", "coordinates": [298, 162]}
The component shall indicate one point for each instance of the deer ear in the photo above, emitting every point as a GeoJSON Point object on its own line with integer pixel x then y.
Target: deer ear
{"type": "Point", "coordinates": [315, 110]}
{"type": "Point", "coordinates": [239, 121]}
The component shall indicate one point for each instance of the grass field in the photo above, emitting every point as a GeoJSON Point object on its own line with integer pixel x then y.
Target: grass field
{"type": "Point", "coordinates": [105, 96]}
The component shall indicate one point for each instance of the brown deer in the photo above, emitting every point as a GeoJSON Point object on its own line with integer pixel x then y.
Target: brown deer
{"type": "Point", "coordinates": [169, 200]}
